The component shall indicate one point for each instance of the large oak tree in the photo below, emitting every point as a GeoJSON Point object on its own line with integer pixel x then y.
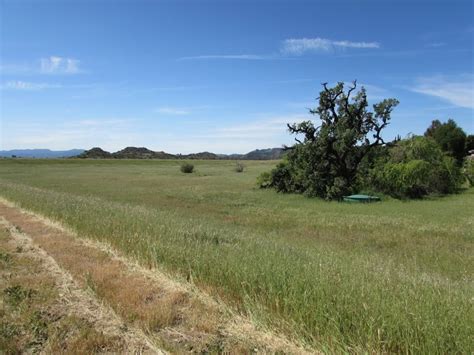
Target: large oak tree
{"type": "Point", "coordinates": [325, 159]}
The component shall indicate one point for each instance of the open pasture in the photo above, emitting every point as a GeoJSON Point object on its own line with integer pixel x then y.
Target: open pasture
{"type": "Point", "coordinates": [390, 276]}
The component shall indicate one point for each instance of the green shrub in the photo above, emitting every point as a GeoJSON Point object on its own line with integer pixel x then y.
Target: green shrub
{"type": "Point", "coordinates": [264, 180]}
{"type": "Point", "coordinates": [468, 171]}
{"type": "Point", "coordinates": [239, 167]}
{"type": "Point", "coordinates": [187, 168]}
{"type": "Point", "coordinates": [414, 168]}
{"type": "Point", "coordinates": [282, 178]}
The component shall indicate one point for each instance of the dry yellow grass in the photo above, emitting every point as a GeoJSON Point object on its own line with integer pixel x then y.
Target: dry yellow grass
{"type": "Point", "coordinates": [172, 314]}
{"type": "Point", "coordinates": [43, 310]}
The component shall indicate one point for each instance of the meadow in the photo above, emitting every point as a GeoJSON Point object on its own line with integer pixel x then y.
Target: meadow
{"type": "Point", "coordinates": [394, 276]}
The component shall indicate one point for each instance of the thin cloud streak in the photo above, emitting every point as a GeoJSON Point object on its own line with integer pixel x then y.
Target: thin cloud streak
{"type": "Point", "coordinates": [28, 86]}
{"type": "Point", "coordinates": [292, 47]}
{"type": "Point", "coordinates": [299, 46]}
{"type": "Point", "coordinates": [458, 91]}
{"type": "Point", "coordinates": [227, 56]}
{"type": "Point", "coordinates": [172, 111]}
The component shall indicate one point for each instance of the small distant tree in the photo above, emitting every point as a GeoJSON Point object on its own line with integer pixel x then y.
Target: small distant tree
{"type": "Point", "coordinates": [450, 137]}
{"type": "Point", "coordinates": [187, 168]}
{"type": "Point", "coordinates": [325, 162]}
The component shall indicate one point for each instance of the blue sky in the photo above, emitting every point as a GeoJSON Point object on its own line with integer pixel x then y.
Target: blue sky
{"type": "Point", "coordinates": [222, 76]}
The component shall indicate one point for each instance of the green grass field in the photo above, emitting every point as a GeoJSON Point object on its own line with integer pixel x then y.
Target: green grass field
{"type": "Point", "coordinates": [392, 276]}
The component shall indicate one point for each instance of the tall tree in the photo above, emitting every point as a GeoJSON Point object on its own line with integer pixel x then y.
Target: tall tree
{"type": "Point", "coordinates": [326, 161]}
{"type": "Point", "coordinates": [450, 137]}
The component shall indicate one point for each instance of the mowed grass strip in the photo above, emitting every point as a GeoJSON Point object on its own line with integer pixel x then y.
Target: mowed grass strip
{"type": "Point", "coordinates": [34, 316]}
{"type": "Point", "coordinates": [158, 310]}
{"type": "Point", "coordinates": [323, 277]}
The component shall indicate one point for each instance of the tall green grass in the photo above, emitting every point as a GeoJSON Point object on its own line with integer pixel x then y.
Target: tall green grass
{"type": "Point", "coordinates": [384, 277]}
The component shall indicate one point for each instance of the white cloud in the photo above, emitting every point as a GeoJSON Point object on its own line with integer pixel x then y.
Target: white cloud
{"type": "Point", "coordinates": [100, 122]}
{"type": "Point", "coordinates": [227, 56]}
{"type": "Point", "coordinates": [458, 90]}
{"type": "Point", "coordinates": [298, 46]}
{"type": "Point", "coordinates": [59, 65]}
{"type": "Point", "coordinates": [86, 133]}
{"type": "Point", "coordinates": [261, 129]}
{"type": "Point", "coordinates": [173, 110]}
{"type": "Point", "coordinates": [28, 86]}
{"type": "Point", "coordinates": [266, 130]}
{"type": "Point", "coordinates": [436, 44]}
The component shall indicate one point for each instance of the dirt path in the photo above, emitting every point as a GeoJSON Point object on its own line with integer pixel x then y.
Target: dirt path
{"type": "Point", "coordinates": [147, 308]}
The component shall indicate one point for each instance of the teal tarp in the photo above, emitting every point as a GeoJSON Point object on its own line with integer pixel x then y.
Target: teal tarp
{"type": "Point", "coordinates": [361, 198]}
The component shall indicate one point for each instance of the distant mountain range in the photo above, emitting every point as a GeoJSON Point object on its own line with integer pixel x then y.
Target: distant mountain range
{"type": "Point", "coordinates": [139, 153]}
{"type": "Point", "coordinates": [40, 153]}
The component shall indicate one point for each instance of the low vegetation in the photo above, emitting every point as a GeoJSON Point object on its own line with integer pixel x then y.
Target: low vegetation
{"type": "Point", "coordinates": [389, 277]}
{"type": "Point", "coordinates": [239, 167]}
{"type": "Point", "coordinates": [187, 168]}
{"type": "Point", "coordinates": [416, 167]}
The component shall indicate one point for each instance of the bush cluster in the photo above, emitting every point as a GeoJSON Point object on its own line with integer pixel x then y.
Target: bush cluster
{"type": "Point", "coordinates": [416, 167]}
{"type": "Point", "coordinates": [468, 171]}
{"type": "Point", "coordinates": [187, 168]}
{"type": "Point", "coordinates": [409, 168]}
{"type": "Point", "coordinates": [239, 167]}
{"type": "Point", "coordinates": [347, 154]}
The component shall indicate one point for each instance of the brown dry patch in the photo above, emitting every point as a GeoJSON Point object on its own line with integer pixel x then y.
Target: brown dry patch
{"type": "Point", "coordinates": [175, 315]}
{"type": "Point", "coordinates": [42, 310]}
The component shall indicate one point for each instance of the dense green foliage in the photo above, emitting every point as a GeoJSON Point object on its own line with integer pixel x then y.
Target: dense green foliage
{"type": "Point", "coordinates": [416, 167]}
{"type": "Point", "coordinates": [468, 171]}
{"type": "Point", "coordinates": [369, 278]}
{"type": "Point", "coordinates": [469, 143]}
{"type": "Point", "coordinates": [450, 137]}
{"type": "Point", "coordinates": [346, 153]}
{"type": "Point", "coordinates": [187, 168]}
{"type": "Point", "coordinates": [326, 162]}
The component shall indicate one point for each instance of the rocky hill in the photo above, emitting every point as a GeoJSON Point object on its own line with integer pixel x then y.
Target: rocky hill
{"type": "Point", "coordinates": [145, 153]}
{"type": "Point", "coordinates": [141, 153]}
{"type": "Point", "coordinates": [95, 153]}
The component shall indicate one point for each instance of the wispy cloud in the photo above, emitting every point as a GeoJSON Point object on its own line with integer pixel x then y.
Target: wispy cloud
{"type": "Point", "coordinates": [436, 44]}
{"type": "Point", "coordinates": [173, 110]}
{"type": "Point", "coordinates": [299, 46]}
{"type": "Point", "coordinates": [59, 65]}
{"type": "Point", "coordinates": [28, 86]}
{"type": "Point", "coordinates": [47, 65]}
{"type": "Point", "coordinates": [292, 47]}
{"type": "Point", "coordinates": [264, 128]}
{"type": "Point", "coordinates": [83, 133]}
{"type": "Point", "coordinates": [457, 90]}
{"type": "Point", "coordinates": [227, 56]}
{"type": "Point", "coordinates": [100, 122]}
